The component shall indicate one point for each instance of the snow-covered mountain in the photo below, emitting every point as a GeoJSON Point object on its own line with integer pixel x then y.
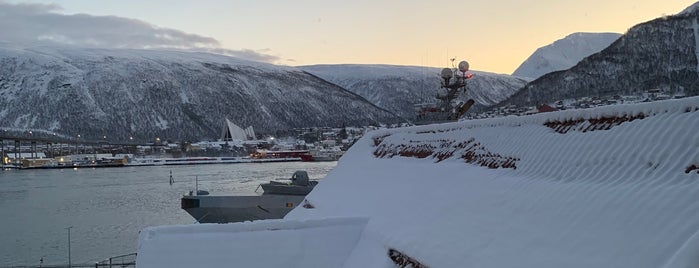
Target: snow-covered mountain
{"type": "Point", "coordinates": [167, 94]}
{"type": "Point", "coordinates": [690, 9]}
{"type": "Point", "coordinates": [399, 88]}
{"type": "Point", "coordinates": [659, 54]}
{"type": "Point", "coordinates": [564, 53]}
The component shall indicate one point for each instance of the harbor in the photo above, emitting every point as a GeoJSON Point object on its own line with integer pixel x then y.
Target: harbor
{"type": "Point", "coordinates": [108, 207]}
{"type": "Point", "coordinates": [40, 149]}
{"type": "Point", "coordinates": [26, 152]}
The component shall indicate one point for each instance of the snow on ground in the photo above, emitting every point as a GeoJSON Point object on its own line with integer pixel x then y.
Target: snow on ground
{"type": "Point", "coordinates": [612, 186]}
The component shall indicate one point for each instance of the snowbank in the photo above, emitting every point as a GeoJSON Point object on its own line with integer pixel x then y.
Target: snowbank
{"type": "Point", "coordinates": [603, 187]}
{"type": "Point", "coordinates": [272, 243]}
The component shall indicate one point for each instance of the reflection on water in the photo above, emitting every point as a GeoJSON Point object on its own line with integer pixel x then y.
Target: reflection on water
{"type": "Point", "coordinates": [107, 207]}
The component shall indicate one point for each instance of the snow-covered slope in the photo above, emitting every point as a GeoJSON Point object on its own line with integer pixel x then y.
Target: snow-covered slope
{"type": "Point", "coordinates": [399, 88]}
{"type": "Point", "coordinates": [612, 186]}
{"type": "Point", "coordinates": [658, 54]}
{"type": "Point", "coordinates": [167, 94]}
{"type": "Point", "coordinates": [564, 53]}
{"type": "Point", "coordinates": [694, 8]}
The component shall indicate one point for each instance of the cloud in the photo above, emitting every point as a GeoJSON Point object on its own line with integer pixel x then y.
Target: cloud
{"type": "Point", "coordinates": [248, 54]}
{"type": "Point", "coordinates": [40, 23]}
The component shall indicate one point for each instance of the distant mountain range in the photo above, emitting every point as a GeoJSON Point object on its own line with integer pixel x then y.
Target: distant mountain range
{"type": "Point", "coordinates": [172, 95]}
{"type": "Point", "coordinates": [564, 53]}
{"type": "Point", "coordinates": [659, 54]}
{"type": "Point", "coordinates": [399, 88]}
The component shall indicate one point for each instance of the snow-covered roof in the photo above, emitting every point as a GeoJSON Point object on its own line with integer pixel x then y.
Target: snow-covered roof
{"type": "Point", "coordinates": [611, 186]}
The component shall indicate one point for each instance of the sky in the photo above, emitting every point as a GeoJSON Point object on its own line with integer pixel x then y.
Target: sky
{"type": "Point", "coordinates": [493, 35]}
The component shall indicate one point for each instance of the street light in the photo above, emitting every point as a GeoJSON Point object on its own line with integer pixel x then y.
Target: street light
{"type": "Point", "coordinates": [69, 262]}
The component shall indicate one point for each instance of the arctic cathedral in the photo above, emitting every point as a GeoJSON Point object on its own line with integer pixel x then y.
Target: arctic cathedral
{"type": "Point", "coordinates": [234, 132]}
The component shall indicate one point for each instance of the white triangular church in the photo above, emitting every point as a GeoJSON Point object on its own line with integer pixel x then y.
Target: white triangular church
{"type": "Point", "coordinates": [234, 132]}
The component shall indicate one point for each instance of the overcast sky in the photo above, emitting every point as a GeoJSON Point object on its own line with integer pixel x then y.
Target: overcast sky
{"type": "Point", "coordinates": [493, 35]}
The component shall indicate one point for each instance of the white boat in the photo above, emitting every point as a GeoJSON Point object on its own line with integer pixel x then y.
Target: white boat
{"type": "Point", "coordinates": [332, 154]}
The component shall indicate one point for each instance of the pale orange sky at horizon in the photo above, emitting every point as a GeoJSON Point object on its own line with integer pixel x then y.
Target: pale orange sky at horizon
{"type": "Point", "coordinates": [494, 36]}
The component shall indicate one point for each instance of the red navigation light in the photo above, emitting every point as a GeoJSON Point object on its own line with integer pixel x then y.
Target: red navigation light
{"type": "Point", "coordinates": [469, 76]}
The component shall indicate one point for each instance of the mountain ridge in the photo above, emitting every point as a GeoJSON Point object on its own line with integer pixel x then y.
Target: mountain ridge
{"type": "Point", "coordinates": [169, 94]}
{"type": "Point", "coordinates": [564, 53]}
{"type": "Point", "coordinates": [657, 54]}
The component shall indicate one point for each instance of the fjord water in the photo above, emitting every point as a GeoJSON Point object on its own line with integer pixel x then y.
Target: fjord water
{"type": "Point", "coordinates": [107, 207]}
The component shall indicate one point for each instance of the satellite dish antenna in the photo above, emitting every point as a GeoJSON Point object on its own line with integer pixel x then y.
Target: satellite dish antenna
{"type": "Point", "coordinates": [463, 66]}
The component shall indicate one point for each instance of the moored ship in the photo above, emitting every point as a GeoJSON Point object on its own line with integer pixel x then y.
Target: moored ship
{"type": "Point", "coordinates": [290, 155]}
{"type": "Point", "coordinates": [277, 199]}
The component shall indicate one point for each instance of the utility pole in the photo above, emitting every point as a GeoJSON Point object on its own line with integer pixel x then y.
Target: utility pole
{"type": "Point", "coordinates": [69, 262]}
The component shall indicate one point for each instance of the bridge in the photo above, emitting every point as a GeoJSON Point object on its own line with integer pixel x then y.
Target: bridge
{"type": "Point", "coordinates": [57, 139]}
{"type": "Point", "coordinates": [30, 145]}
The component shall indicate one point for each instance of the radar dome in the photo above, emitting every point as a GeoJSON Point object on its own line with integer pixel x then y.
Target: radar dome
{"type": "Point", "coordinates": [463, 66]}
{"type": "Point", "coordinates": [447, 73]}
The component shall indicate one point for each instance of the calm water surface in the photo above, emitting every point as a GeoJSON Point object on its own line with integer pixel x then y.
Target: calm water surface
{"type": "Point", "coordinates": [107, 207]}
